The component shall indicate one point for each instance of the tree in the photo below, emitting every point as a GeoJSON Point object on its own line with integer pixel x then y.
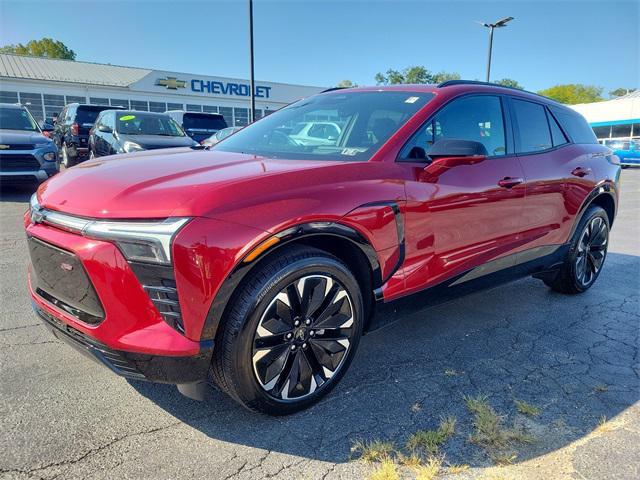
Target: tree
{"type": "Point", "coordinates": [414, 74]}
{"type": "Point", "coordinates": [573, 93]}
{"type": "Point", "coordinates": [346, 84]}
{"type": "Point", "coordinates": [47, 47]}
{"type": "Point", "coordinates": [509, 82]}
{"type": "Point", "coordinates": [619, 92]}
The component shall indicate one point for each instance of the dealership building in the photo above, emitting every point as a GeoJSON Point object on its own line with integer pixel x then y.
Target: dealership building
{"type": "Point", "coordinates": [618, 118]}
{"type": "Point", "coordinates": [46, 85]}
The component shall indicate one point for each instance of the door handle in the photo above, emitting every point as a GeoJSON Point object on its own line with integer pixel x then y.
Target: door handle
{"type": "Point", "coordinates": [510, 182]}
{"type": "Point", "coordinates": [580, 172]}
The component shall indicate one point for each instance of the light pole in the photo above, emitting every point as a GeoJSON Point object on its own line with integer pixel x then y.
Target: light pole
{"type": "Point", "coordinates": [252, 98]}
{"type": "Point", "coordinates": [500, 23]}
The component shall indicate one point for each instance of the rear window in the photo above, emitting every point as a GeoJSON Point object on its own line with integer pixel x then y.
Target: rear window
{"type": "Point", "coordinates": [88, 115]}
{"type": "Point", "coordinates": [195, 122]}
{"type": "Point", "coordinates": [575, 125]}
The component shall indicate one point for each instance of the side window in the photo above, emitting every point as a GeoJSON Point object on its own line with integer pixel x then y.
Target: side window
{"type": "Point", "coordinates": [533, 130]}
{"type": "Point", "coordinates": [557, 136]}
{"type": "Point", "coordinates": [99, 121]}
{"type": "Point", "coordinates": [478, 118]}
{"type": "Point", "coordinates": [109, 120]}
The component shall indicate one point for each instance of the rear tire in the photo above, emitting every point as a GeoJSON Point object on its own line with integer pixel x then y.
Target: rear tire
{"type": "Point", "coordinates": [289, 333]}
{"type": "Point", "coordinates": [586, 256]}
{"type": "Point", "coordinates": [66, 159]}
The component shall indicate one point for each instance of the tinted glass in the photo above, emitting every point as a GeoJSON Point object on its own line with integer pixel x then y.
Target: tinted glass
{"type": "Point", "coordinates": [621, 130]}
{"type": "Point", "coordinates": [557, 136]}
{"type": "Point", "coordinates": [137, 123]}
{"type": "Point", "coordinates": [17, 119]}
{"type": "Point", "coordinates": [575, 125]}
{"type": "Point", "coordinates": [533, 130]}
{"type": "Point", "coordinates": [203, 123]}
{"type": "Point", "coordinates": [469, 118]}
{"type": "Point", "coordinates": [349, 112]}
{"type": "Point", "coordinates": [87, 115]}
{"type": "Point", "coordinates": [602, 132]}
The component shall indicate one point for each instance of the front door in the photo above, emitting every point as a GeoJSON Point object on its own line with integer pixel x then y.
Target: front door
{"type": "Point", "coordinates": [466, 216]}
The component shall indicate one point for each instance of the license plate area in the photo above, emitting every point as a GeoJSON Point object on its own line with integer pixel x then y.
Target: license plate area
{"type": "Point", "coordinates": [59, 277]}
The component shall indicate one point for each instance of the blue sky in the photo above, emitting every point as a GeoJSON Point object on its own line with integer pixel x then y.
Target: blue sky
{"type": "Point", "coordinates": [323, 42]}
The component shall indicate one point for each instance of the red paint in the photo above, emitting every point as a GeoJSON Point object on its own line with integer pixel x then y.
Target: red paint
{"type": "Point", "coordinates": [456, 215]}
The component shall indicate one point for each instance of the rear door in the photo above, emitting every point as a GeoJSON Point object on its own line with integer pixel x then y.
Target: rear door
{"type": "Point", "coordinates": [468, 215]}
{"type": "Point", "coordinates": [558, 176]}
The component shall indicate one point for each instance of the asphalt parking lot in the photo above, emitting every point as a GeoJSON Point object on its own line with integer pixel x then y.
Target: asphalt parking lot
{"type": "Point", "coordinates": [572, 359]}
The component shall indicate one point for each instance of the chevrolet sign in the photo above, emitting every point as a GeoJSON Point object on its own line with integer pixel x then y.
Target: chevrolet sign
{"type": "Point", "coordinates": [172, 83]}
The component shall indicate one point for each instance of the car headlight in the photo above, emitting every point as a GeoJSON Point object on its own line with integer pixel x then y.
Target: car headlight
{"type": "Point", "coordinates": [131, 147]}
{"type": "Point", "coordinates": [49, 156]}
{"type": "Point", "coordinates": [142, 241]}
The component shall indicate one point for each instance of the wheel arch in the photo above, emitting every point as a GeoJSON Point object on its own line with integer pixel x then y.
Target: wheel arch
{"type": "Point", "coordinates": [603, 196]}
{"type": "Point", "coordinates": [337, 239]}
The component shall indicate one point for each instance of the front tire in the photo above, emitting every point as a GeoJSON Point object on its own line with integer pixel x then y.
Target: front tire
{"type": "Point", "coordinates": [290, 332]}
{"type": "Point", "coordinates": [586, 256]}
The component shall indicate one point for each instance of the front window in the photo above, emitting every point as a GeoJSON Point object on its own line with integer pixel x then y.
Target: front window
{"type": "Point", "coordinates": [339, 126]}
{"type": "Point", "coordinates": [137, 123]}
{"type": "Point", "coordinates": [17, 119]}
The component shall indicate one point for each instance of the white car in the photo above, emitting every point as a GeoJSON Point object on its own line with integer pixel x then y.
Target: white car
{"type": "Point", "coordinates": [316, 133]}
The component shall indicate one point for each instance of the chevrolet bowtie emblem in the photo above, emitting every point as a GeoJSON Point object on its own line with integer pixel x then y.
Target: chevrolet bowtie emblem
{"type": "Point", "coordinates": [4, 147]}
{"type": "Point", "coordinates": [172, 83]}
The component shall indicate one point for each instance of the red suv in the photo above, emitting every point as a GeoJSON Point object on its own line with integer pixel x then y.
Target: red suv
{"type": "Point", "coordinates": [258, 263]}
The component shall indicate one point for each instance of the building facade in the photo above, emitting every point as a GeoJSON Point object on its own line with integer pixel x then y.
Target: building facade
{"type": "Point", "coordinates": [613, 119]}
{"type": "Point", "coordinates": [45, 86]}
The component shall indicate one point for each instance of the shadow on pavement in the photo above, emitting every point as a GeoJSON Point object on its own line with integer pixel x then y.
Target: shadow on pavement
{"type": "Point", "coordinates": [574, 357]}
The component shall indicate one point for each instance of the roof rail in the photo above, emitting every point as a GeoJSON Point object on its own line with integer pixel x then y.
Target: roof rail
{"type": "Point", "coordinates": [450, 83]}
{"type": "Point", "coordinates": [333, 88]}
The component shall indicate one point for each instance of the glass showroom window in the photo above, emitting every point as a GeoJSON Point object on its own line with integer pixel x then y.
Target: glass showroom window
{"type": "Point", "coordinates": [209, 109]}
{"type": "Point", "coordinates": [76, 99]}
{"type": "Point", "coordinates": [53, 104]}
{"type": "Point", "coordinates": [241, 116]}
{"type": "Point", "coordinates": [175, 106]}
{"type": "Point", "coordinates": [227, 113]}
{"type": "Point", "coordinates": [8, 97]}
{"type": "Point", "coordinates": [602, 131]}
{"type": "Point", "coordinates": [119, 103]}
{"type": "Point", "coordinates": [621, 131]}
{"type": "Point", "coordinates": [33, 101]}
{"type": "Point", "coordinates": [140, 105]}
{"type": "Point", "coordinates": [194, 108]}
{"type": "Point", "coordinates": [96, 101]}
{"type": "Point", "coordinates": [159, 107]}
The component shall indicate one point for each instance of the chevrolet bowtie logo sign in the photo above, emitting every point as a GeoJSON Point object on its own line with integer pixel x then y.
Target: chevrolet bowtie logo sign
{"type": "Point", "coordinates": [172, 83]}
{"type": "Point", "coordinates": [5, 147]}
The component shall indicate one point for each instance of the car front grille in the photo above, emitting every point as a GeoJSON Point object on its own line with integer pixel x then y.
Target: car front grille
{"type": "Point", "coordinates": [18, 162]}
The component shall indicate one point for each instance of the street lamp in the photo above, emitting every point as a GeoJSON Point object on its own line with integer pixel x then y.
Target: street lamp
{"type": "Point", "coordinates": [500, 23]}
{"type": "Point", "coordinates": [252, 98]}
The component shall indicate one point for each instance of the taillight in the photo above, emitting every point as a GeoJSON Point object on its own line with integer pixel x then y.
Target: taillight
{"type": "Point", "coordinates": [47, 134]}
{"type": "Point", "coordinates": [74, 129]}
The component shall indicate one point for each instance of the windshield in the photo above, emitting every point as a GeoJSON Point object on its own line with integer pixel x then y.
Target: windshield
{"type": "Point", "coordinates": [339, 126]}
{"type": "Point", "coordinates": [17, 119]}
{"type": "Point", "coordinates": [201, 122]}
{"type": "Point", "coordinates": [137, 123]}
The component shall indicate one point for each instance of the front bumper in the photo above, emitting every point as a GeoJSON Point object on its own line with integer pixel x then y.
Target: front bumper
{"type": "Point", "coordinates": [137, 366]}
{"type": "Point", "coordinates": [28, 165]}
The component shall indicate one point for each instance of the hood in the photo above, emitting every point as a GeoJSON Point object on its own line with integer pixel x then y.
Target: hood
{"type": "Point", "coordinates": [22, 137]}
{"type": "Point", "coordinates": [149, 142]}
{"type": "Point", "coordinates": [174, 182]}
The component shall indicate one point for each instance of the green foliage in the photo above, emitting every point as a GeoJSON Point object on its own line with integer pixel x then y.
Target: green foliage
{"type": "Point", "coordinates": [346, 84]}
{"type": "Point", "coordinates": [573, 93]}
{"type": "Point", "coordinates": [619, 92]}
{"type": "Point", "coordinates": [414, 74]}
{"type": "Point", "coordinates": [46, 47]}
{"type": "Point", "coordinates": [509, 82]}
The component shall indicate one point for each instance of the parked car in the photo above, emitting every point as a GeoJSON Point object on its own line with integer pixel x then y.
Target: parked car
{"type": "Point", "coordinates": [219, 136]}
{"type": "Point", "coordinates": [119, 131]}
{"type": "Point", "coordinates": [626, 149]}
{"type": "Point", "coordinates": [198, 126]}
{"type": "Point", "coordinates": [71, 132]}
{"type": "Point", "coordinates": [258, 263]}
{"type": "Point", "coordinates": [26, 155]}
{"type": "Point", "coordinates": [315, 133]}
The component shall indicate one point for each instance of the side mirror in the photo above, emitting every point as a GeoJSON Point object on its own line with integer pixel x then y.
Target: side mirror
{"type": "Point", "coordinates": [449, 153]}
{"type": "Point", "coordinates": [105, 129]}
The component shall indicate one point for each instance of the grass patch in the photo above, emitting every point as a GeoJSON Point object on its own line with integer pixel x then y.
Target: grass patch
{"type": "Point", "coordinates": [415, 407]}
{"type": "Point", "coordinates": [387, 470]}
{"type": "Point", "coordinates": [373, 450]}
{"type": "Point", "coordinates": [489, 431]}
{"type": "Point", "coordinates": [457, 469]}
{"type": "Point", "coordinates": [429, 470]}
{"type": "Point", "coordinates": [429, 440]}
{"type": "Point", "coordinates": [526, 408]}
{"type": "Point", "coordinates": [450, 372]}
{"type": "Point", "coordinates": [504, 459]}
